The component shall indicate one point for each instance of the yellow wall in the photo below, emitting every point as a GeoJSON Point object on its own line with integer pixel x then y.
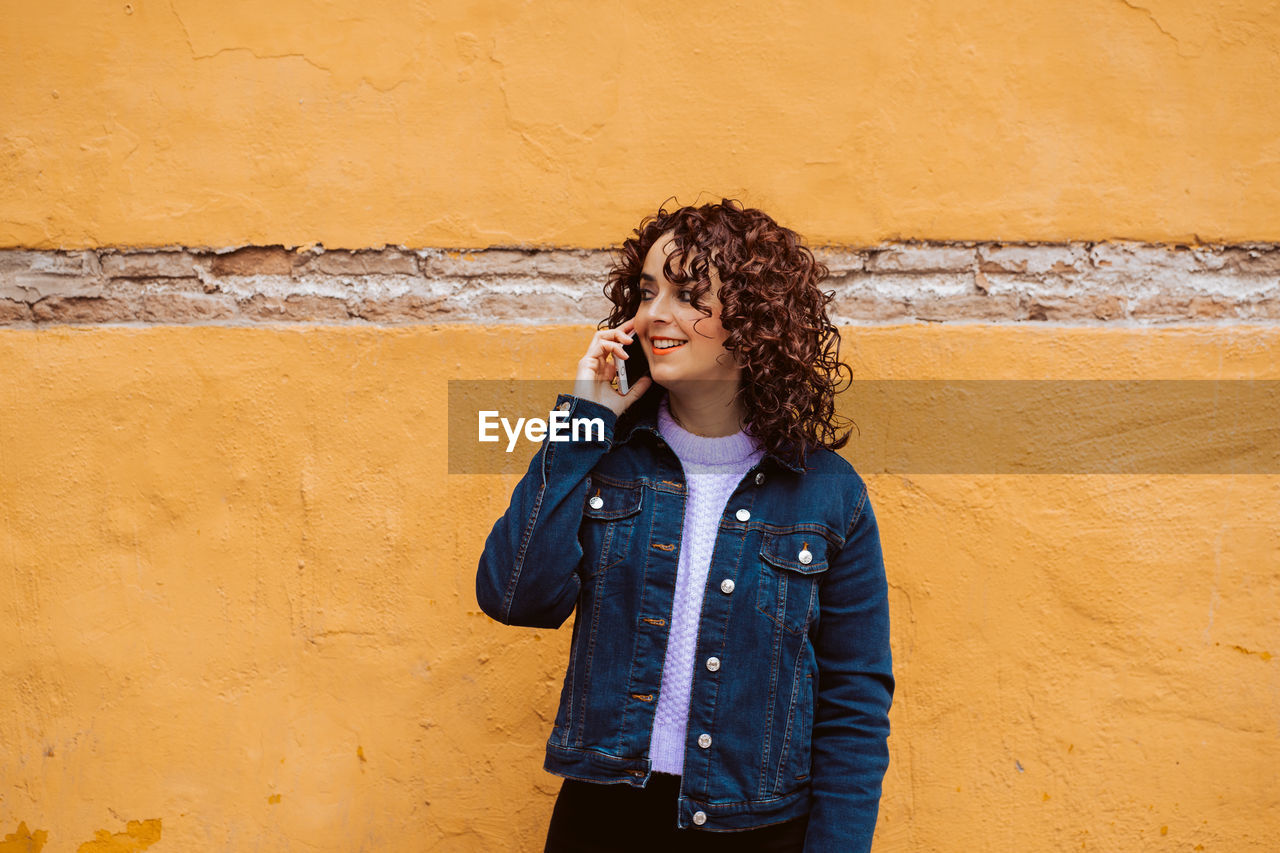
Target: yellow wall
{"type": "Point", "coordinates": [470, 124]}
{"type": "Point", "coordinates": [237, 583]}
{"type": "Point", "coordinates": [239, 600]}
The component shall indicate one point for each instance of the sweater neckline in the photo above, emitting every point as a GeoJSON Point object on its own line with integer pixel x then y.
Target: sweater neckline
{"type": "Point", "coordinates": [706, 450]}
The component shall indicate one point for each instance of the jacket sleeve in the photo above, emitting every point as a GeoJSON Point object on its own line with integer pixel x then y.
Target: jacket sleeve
{"type": "Point", "coordinates": [528, 570]}
{"type": "Point", "coordinates": [855, 689]}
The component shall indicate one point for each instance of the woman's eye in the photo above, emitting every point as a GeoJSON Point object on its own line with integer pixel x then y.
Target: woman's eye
{"type": "Point", "coordinates": [682, 295]}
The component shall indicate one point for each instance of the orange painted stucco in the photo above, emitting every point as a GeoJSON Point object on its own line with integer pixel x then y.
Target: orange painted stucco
{"type": "Point", "coordinates": [238, 598]}
{"type": "Point", "coordinates": [236, 579]}
{"type": "Point", "coordinates": [464, 124]}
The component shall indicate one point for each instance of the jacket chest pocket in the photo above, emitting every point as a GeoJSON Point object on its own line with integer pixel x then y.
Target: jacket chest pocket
{"type": "Point", "coordinates": [608, 521]}
{"type": "Point", "coordinates": [791, 567]}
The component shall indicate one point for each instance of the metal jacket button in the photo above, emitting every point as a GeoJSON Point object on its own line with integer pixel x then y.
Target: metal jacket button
{"type": "Point", "coordinates": [704, 740]}
{"type": "Point", "coordinates": [726, 586]}
{"type": "Point", "coordinates": [596, 502]}
{"type": "Point", "coordinates": [759, 478]}
{"type": "Point", "coordinates": [699, 817]}
{"type": "Point", "coordinates": [743, 515]}
{"type": "Point", "coordinates": [713, 664]}
{"type": "Point", "coordinates": [805, 556]}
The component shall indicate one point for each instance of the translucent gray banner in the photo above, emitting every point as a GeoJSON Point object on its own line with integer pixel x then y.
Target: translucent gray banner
{"type": "Point", "coordinates": [995, 426]}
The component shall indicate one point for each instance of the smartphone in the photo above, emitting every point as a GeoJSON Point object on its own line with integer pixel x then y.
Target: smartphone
{"type": "Point", "coordinates": [632, 368]}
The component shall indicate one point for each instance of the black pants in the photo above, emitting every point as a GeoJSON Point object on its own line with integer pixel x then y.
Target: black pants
{"type": "Point", "coordinates": [594, 818]}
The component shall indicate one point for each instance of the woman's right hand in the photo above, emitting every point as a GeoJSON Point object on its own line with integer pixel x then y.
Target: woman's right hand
{"type": "Point", "coordinates": [596, 371]}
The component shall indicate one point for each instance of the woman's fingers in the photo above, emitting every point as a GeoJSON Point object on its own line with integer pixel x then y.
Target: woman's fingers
{"type": "Point", "coordinates": [597, 372]}
{"type": "Point", "coordinates": [637, 388]}
{"type": "Point", "coordinates": [601, 347]}
{"type": "Point", "coordinates": [600, 344]}
{"type": "Point", "coordinates": [613, 337]}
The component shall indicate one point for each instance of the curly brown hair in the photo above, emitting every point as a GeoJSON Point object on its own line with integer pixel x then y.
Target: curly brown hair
{"type": "Point", "coordinates": [772, 310]}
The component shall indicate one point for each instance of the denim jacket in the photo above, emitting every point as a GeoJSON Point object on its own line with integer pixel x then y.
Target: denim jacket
{"type": "Point", "coordinates": [792, 682]}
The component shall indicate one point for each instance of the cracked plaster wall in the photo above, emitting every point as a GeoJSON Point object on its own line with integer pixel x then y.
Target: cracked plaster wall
{"type": "Point", "coordinates": [238, 585]}
{"type": "Point", "coordinates": [469, 125]}
{"type": "Point", "coordinates": [236, 578]}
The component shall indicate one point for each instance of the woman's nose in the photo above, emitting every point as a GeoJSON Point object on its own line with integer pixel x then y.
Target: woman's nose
{"type": "Point", "coordinates": [658, 308]}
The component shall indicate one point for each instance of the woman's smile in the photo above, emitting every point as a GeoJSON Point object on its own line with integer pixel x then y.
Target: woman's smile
{"type": "Point", "coordinates": [665, 346]}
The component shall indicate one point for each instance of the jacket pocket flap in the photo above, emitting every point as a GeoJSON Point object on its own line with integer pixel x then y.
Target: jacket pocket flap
{"type": "Point", "coordinates": [796, 552]}
{"type": "Point", "coordinates": [609, 501]}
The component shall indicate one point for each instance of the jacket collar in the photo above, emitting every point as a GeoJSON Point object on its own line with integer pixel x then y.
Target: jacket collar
{"type": "Point", "coordinates": [643, 415]}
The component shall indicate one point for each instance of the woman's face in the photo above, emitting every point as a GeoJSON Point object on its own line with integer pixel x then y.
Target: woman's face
{"type": "Point", "coordinates": [680, 341]}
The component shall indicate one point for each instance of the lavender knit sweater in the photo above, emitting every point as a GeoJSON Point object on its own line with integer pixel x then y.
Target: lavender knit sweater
{"type": "Point", "coordinates": [713, 468]}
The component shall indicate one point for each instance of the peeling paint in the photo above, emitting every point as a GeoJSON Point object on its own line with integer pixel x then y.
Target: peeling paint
{"type": "Point", "coordinates": [1265, 655]}
{"type": "Point", "coordinates": [23, 840]}
{"type": "Point", "coordinates": [138, 835]}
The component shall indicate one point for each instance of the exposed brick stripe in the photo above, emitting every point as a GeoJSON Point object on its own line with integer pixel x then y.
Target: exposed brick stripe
{"type": "Point", "coordinates": [1075, 283]}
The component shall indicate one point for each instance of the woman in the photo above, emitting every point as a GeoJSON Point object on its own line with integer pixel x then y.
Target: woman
{"type": "Point", "coordinates": [730, 677]}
